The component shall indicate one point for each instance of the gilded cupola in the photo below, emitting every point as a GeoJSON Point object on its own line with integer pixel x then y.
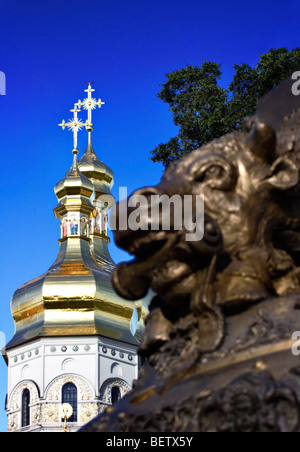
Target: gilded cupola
{"type": "Point", "coordinates": [75, 296]}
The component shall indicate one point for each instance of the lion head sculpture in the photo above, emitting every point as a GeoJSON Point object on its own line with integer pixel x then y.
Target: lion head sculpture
{"type": "Point", "coordinates": [249, 250]}
{"type": "Point", "coordinates": [219, 332]}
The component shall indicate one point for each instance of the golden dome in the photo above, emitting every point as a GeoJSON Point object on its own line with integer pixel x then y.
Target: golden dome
{"type": "Point", "coordinates": [74, 183]}
{"type": "Point", "coordinates": [75, 296]}
{"type": "Point", "coordinates": [99, 173]}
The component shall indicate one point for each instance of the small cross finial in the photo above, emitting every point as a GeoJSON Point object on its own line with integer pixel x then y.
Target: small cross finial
{"type": "Point", "coordinates": [89, 104]}
{"type": "Point", "coordinates": [75, 125]}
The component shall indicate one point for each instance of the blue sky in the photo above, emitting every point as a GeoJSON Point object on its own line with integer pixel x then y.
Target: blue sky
{"type": "Point", "coordinates": [48, 50]}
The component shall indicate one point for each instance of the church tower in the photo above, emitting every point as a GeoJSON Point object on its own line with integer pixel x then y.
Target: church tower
{"type": "Point", "coordinates": [74, 351]}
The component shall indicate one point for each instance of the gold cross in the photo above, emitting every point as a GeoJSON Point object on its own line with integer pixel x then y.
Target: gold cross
{"type": "Point", "coordinates": [89, 104]}
{"type": "Point", "coordinates": [75, 125]}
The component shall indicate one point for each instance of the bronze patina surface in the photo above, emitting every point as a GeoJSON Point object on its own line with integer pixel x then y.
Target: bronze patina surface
{"type": "Point", "coordinates": [218, 339]}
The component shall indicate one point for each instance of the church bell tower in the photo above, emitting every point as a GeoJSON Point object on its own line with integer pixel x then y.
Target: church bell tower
{"type": "Point", "coordinates": [75, 339]}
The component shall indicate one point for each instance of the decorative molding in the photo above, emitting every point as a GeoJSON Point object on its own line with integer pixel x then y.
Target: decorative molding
{"type": "Point", "coordinates": [12, 421]}
{"type": "Point", "coordinates": [88, 411]}
{"type": "Point", "coordinates": [105, 392]}
{"type": "Point", "coordinates": [85, 389]}
{"type": "Point", "coordinates": [15, 404]}
{"type": "Point", "coordinates": [68, 364]}
{"type": "Point", "coordinates": [24, 371]}
{"type": "Point", "coordinates": [116, 370]}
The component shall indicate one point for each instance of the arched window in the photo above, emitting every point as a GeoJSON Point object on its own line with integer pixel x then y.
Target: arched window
{"type": "Point", "coordinates": [69, 395]}
{"type": "Point", "coordinates": [115, 395]}
{"type": "Point", "coordinates": [25, 408]}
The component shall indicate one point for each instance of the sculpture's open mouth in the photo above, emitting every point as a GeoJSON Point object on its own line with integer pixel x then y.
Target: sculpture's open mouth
{"type": "Point", "coordinates": [148, 245]}
{"type": "Point", "coordinates": [163, 261]}
{"type": "Point", "coordinates": [133, 279]}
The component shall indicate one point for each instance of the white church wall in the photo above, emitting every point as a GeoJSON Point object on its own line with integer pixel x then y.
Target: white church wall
{"type": "Point", "coordinates": [71, 355]}
{"type": "Point", "coordinates": [117, 360]}
{"type": "Point", "coordinates": [94, 364]}
{"type": "Point", "coordinates": [25, 363]}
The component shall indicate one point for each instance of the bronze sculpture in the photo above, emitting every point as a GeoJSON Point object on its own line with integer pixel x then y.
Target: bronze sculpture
{"type": "Point", "coordinates": [218, 339]}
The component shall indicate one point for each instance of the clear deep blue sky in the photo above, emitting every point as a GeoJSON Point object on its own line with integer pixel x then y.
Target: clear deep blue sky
{"type": "Point", "coordinates": [49, 49]}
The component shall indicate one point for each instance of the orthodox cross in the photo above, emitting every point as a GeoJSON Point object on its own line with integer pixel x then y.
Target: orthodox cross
{"type": "Point", "coordinates": [75, 125]}
{"type": "Point", "coordinates": [89, 104]}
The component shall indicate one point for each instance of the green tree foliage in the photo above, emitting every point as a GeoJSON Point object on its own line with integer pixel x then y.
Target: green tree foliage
{"type": "Point", "coordinates": [203, 110]}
